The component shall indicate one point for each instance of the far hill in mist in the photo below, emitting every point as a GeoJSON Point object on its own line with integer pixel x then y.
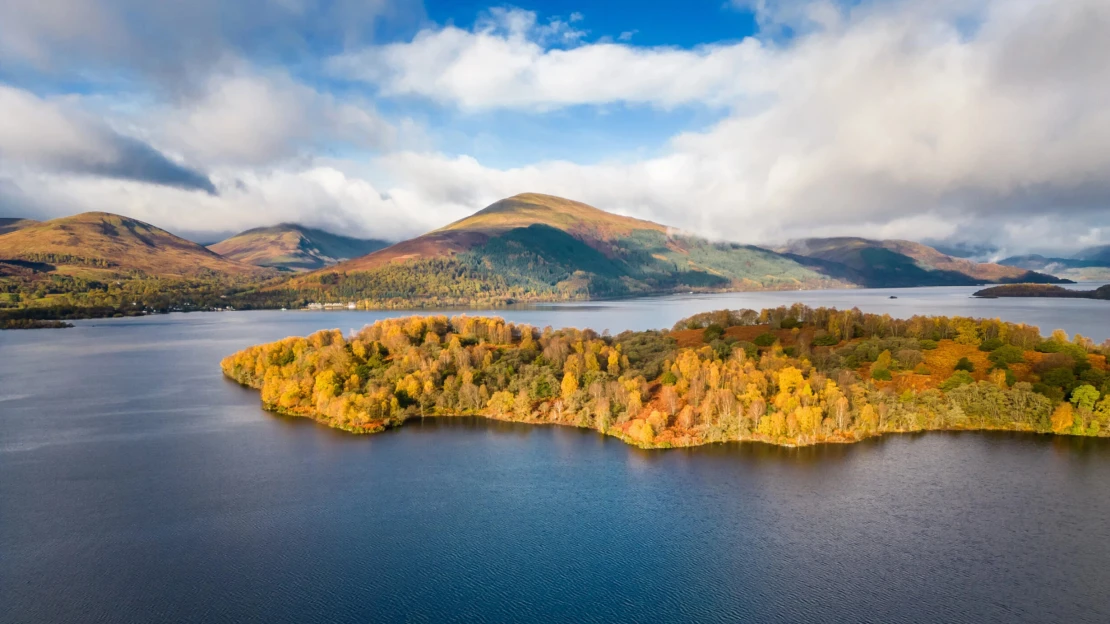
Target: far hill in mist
{"type": "Point", "coordinates": [293, 247]}
{"type": "Point", "coordinates": [901, 263]}
{"type": "Point", "coordinates": [1088, 265]}
{"type": "Point", "coordinates": [1100, 254]}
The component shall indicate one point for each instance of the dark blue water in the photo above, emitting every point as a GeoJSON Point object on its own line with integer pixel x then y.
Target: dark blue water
{"type": "Point", "coordinates": [138, 485]}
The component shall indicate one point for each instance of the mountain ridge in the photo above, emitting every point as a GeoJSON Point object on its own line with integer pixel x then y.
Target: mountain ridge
{"type": "Point", "coordinates": [541, 246]}
{"type": "Point", "coordinates": [292, 246]}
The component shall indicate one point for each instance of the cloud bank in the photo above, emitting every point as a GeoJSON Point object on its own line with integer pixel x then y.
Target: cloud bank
{"type": "Point", "coordinates": [62, 138]}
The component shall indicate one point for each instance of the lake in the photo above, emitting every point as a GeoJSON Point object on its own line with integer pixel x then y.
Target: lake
{"type": "Point", "coordinates": [136, 484]}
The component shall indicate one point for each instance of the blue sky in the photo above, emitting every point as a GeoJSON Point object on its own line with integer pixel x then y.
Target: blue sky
{"type": "Point", "coordinates": [758, 121]}
{"type": "Point", "coordinates": [682, 24]}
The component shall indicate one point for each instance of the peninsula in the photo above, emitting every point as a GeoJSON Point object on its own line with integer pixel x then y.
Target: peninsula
{"type": "Point", "coordinates": [790, 376]}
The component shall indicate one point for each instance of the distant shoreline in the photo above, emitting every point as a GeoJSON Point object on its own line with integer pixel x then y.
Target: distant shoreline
{"type": "Point", "coordinates": [1042, 290]}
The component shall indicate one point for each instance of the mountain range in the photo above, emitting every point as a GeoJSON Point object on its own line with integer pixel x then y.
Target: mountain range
{"type": "Point", "coordinates": [534, 246]}
{"type": "Point", "coordinates": [529, 247]}
{"type": "Point", "coordinates": [99, 243]}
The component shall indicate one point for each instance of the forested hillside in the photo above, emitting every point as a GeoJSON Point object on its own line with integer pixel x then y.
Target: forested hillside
{"type": "Point", "coordinates": [98, 264]}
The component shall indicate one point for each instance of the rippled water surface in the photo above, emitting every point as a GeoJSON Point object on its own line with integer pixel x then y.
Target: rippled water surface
{"type": "Point", "coordinates": [137, 484]}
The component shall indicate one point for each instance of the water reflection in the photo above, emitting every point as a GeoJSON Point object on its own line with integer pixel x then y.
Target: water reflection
{"type": "Point", "coordinates": [137, 483]}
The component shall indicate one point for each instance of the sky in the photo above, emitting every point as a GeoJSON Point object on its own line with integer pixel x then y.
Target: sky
{"type": "Point", "coordinates": [977, 122]}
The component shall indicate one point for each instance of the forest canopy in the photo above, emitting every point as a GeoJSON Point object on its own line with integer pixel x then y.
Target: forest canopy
{"type": "Point", "coordinates": [790, 375]}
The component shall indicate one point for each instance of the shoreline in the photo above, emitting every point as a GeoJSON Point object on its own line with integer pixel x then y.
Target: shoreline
{"type": "Point", "coordinates": [398, 426]}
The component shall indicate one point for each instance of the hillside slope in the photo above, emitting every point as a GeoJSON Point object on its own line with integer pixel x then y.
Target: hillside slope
{"type": "Point", "coordinates": [293, 247]}
{"type": "Point", "coordinates": [100, 242]}
{"type": "Point", "coordinates": [900, 263]}
{"type": "Point", "coordinates": [534, 246]}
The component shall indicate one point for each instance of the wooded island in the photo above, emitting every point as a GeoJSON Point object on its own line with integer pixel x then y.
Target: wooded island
{"type": "Point", "coordinates": [790, 375]}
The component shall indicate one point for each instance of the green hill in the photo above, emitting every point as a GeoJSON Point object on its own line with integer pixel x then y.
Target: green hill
{"type": "Point", "coordinates": [293, 247]}
{"type": "Point", "coordinates": [540, 247]}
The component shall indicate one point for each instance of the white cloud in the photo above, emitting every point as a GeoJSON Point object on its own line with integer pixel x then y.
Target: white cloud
{"type": "Point", "coordinates": [773, 15]}
{"type": "Point", "coordinates": [250, 118]}
{"type": "Point", "coordinates": [176, 40]}
{"type": "Point", "coordinates": [318, 196]}
{"type": "Point", "coordinates": [507, 62]}
{"type": "Point", "coordinates": [57, 135]}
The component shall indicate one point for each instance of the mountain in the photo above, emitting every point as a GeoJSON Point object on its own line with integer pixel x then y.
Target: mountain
{"type": "Point", "coordinates": [1080, 270]}
{"type": "Point", "coordinates": [293, 247]}
{"type": "Point", "coordinates": [1100, 254]}
{"type": "Point", "coordinates": [100, 242]}
{"type": "Point", "coordinates": [534, 246]}
{"type": "Point", "coordinates": [11, 224]}
{"type": "Point", "coordinates": [900, 263]}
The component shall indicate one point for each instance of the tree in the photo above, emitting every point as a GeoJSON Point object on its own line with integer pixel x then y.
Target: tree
{"type": "Point", "coordinates": [501, 403]}
{"type": "Point", "coordinates": [522, 406]}
{"type": "Point", "coordinates": [713, 332]}
{"type": "Point", "coordinates": [1084, 397]}
{"type": "Point", "coordinates": [640, 431]}
{"type": "Point", "coordinates": [959, 378]}
{"type": "Point", "coordinates": [880, 374]}
{"type": "Point", "coordinates": [764, 340]}
{"type": "Point", "coordinates": [1062, 418]}
{"type": "Point", "coordinates": [1005, 355]}
{"type": "Point", "coordinates": [327, 384]}
{"type": "Point", "coordinates": [569, 386]}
